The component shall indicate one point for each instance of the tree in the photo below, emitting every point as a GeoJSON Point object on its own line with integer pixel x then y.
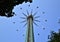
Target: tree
{"type": "Point", "coordinates": [54, 37]}
{"type": "Point", "coordinates": [6, 6]}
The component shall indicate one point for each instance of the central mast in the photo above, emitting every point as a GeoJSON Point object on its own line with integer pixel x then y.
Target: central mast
{"type": "Point", "coordinates": [29, 32]}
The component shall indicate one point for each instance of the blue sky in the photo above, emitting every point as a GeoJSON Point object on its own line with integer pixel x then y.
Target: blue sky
{"type": "Point", "coordinates": [51, 8]}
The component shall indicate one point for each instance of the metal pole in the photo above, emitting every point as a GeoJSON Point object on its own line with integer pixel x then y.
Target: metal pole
{"type": "Point", "coordinates": [29, 32]}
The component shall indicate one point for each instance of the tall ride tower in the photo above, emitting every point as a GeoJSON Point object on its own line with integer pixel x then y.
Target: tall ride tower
{"type": "Point", "coordinates": [29, 32]}
{"type": "Point", "coordinates": [30, 19]}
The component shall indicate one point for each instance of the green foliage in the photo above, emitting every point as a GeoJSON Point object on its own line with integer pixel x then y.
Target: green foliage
{"type": "Point", "coordinates": [54, 37]}
{"type": "Point", "coordinates": [6, 6]}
